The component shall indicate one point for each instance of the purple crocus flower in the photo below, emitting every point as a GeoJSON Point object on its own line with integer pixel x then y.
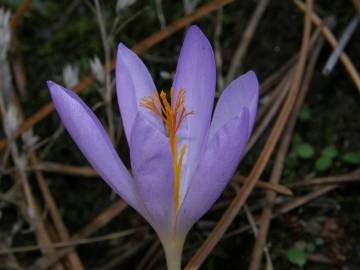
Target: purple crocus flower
{"type": "Point", "coordinates": [181, 159]}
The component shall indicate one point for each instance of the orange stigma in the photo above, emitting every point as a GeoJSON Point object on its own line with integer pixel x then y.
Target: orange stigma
{"type": "Point", "coordinates": [173, 115]}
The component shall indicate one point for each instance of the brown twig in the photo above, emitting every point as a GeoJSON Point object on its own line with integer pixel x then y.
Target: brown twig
{"type": "Point", "coordinates": [254, 228]}
{"type": "Point", "coordinates": [304, 199]}
{"type": "Point", "coordinates": [67, 169]}
{"type": "Point", "coordinates": [98, 222]}
{"type": "Point", "coordinates": [72, 243]}
{"type": "Point", "coordinates": [265, 185]}
{"type": "Point", "coordinates": [287, 207]}
{"type": "Point", "coordinates": [241, 197]}
{"type": "Point", "coordinates": [338, 179]}
{"type": "Point", "coordinates": [138, 48]}
{"type": "Point", "coordinates": [327, 181]}
{"type": "Point", "coordinates": [276, 173]}
{"type": "Point", "coordinates": [320, 258]}
{"type": "Point", "coordinates": [32, 205]}
{"type": "Point", "coordinates": [350, 68]}
{"type": "Point", "coordinates": [23, 8]}
{"type": "Point", "coordinates": [73, 258]}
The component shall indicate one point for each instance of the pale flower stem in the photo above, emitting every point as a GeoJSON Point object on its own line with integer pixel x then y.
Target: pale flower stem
{"type": "Point", "coordinates": [173, 252]}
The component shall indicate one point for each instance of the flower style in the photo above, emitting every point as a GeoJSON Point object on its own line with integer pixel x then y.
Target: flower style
{"type": "Point", "coordinates": [181, 160]}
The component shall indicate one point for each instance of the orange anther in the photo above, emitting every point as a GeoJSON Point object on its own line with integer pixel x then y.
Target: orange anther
{"type": "Point", "coordinates": [173, 115]}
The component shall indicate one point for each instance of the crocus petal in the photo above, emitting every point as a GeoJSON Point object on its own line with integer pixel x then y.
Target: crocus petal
{"type": "Point", "coordinates": [213, 172]}
{"type": "Point", "coordinates": [242, 92]}
{"type": "Point", "coordinates": [196, 74]}
{"type": "Point", "coordinates": [133, 82]}
{"type": "Point", "coordinates": [151, 163]}
{"type": "Point", "coordinates": [92, 140]}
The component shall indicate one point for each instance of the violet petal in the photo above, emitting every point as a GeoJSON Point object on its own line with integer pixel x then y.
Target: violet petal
{"type": "Point", "coordinates": [92, 140]}
{"type": "Point", "coordinates": [214, 173]}
{"type": "Point", "coordinates": [151, 163]}
{"type": "Point", "coordinates": [196, 74]}
{"type": "Point", "coordinates": [242, 92]}
{"type": "Point", "coordinates": [133, 82]}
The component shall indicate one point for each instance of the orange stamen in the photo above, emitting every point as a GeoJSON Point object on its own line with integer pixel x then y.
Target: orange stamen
{"type": "Point", "coordinates": [173, 115]}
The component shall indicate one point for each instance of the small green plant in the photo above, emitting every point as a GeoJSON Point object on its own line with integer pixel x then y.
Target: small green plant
{"type": "Point", "coordinates": [352, 158]}
{"type": "Point", "coordinates": [304, 150]}
{"type": "Point", "coordinates": [305, 114]}
{"type": "Point", "coordinates": [329, 152]}
{"type": "Point", "coordinates": [296, 256]}
{"type": "Point", "coordinates": [324, 162]}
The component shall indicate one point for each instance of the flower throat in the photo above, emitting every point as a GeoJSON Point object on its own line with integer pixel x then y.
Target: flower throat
{"type": "Point", "coordinates": [172, 114]}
